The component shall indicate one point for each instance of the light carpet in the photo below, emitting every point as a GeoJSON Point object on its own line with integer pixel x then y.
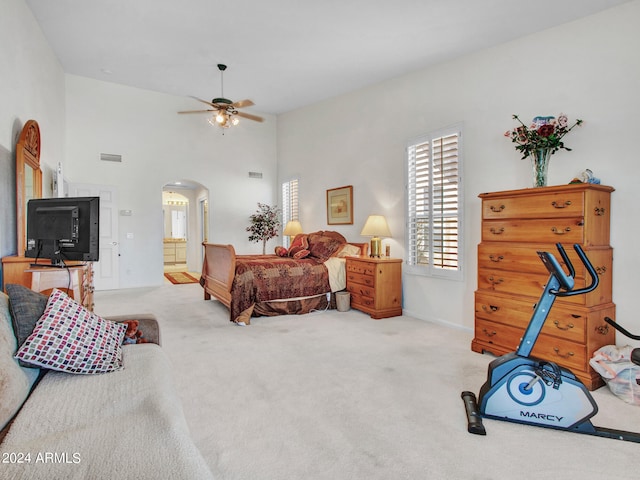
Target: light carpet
{"type": "Point", "coordinates": [337, 395]}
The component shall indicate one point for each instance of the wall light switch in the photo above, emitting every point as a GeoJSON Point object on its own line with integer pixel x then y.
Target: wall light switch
{"type": "Point", "coordinates": [129, 235]}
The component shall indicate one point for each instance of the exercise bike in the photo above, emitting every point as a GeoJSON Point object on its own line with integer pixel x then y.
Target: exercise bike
{"type": "Point", "coordinates": [531, 391]}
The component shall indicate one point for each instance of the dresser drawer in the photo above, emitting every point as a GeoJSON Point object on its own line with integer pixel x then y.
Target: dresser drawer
{"type": "Point", "coordinates": [566, 354]}
{"type": "Point", "coordinates": [360, 279]}
{"type": "Point", "coordinates": [532, 285]}
{"type": "Point", "coordinates": [507, 338]}
{"type": "Point", "coordinates": [565, 230]}
{"type": "Point", "coordinates": [523, 258]}
{"type": "Point", "coordinates": [549, 205]}
{"type": "Point", "coordinates": [360, 289]}
{"type": "Point", "coordinates": [364, 268]}
{"type": "Point", "coordinates": [568, 322]}
{"type": "Point", "coordinates": [359, 300]}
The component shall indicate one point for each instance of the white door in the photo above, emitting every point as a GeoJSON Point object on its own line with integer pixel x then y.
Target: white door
{"type": "Point", "coordinates": [105, 272]}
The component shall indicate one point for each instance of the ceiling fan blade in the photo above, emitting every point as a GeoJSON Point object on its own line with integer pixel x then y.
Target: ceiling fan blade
{"type": "Point", "coordinates": [242, 103]}
{"type": "Point", "coordinates": [204, 101]}
{"type": "Point", "coordinates": [255, 118]}
{"type": "Point", "coordinates": [197, 111]}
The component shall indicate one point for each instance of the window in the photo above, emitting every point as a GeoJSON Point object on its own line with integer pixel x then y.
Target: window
{"type": "Point", "coordinates": [289, 205]}
{"type": "Point", "coordinates": [434, 204]}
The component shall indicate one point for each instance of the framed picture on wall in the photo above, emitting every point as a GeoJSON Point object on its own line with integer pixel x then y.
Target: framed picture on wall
{"type": "Point", "coordinates": [340, 206]}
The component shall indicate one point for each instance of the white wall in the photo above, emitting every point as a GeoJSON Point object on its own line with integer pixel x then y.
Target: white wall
{"type": "Point", "coordinates": [588, 69]}
{"type": "Point", "coordinates": [31, 86]}
{"type": "Point", "coordinates": [158, 146]}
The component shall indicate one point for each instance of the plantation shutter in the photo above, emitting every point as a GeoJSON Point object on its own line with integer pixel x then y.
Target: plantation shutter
{"type": "Point", "coordinates": [433, 203]}
{"type": "Point", "coordinates": [289, 204]}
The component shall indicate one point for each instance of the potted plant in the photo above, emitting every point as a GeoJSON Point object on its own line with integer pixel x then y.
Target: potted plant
{"type": "Point", "coordinates": [264, 224]}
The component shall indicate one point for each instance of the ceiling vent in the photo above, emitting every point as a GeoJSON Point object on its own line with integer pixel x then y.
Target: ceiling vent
{"type": "Point", "coordinates": [110, 157]}
{"type": "Point", "coordinates": [255, 174]}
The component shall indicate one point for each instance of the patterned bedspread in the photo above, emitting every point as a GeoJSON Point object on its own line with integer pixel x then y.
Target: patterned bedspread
{"type": "Point", "coordinates": [261, 278]}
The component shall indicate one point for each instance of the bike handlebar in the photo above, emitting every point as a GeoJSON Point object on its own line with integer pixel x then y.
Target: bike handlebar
{"type": "Point", "coordinates": [583, 258]}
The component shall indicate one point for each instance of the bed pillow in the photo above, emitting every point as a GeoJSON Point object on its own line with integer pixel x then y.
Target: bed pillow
{"type": "Point", "coordinates": [323, 247]}
{"type": "Point", "coordinates": [281, 251]}
{"type": "Point", "coordinates": [69, 338]}
{"type": "Point", "coordinates": [348, 250]}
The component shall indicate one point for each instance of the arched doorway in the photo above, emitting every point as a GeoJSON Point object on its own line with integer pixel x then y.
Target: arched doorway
{"type": "Point", "coordinates": [185, 217]}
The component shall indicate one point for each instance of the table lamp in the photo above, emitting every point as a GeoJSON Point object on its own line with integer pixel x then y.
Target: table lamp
{"type": "Point", "coordinates": [292, 228]}
{"type": "Point", "coordinates": [376, 227]}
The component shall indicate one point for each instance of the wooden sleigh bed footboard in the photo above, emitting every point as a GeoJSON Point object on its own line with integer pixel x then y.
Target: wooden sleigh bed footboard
{"type": "Point", "coordinates": [218, 271]}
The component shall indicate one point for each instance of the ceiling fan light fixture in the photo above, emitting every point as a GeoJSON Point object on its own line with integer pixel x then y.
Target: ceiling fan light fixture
{"type": "Point", "coordinates": [226, 112]}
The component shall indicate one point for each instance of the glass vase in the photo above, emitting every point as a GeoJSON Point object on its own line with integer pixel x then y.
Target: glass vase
{"type": "Point", "coordinates": [540, 164]}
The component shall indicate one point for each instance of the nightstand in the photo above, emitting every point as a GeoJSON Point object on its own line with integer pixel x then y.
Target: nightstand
{"type": "Point", "coordinates": [375, 285]}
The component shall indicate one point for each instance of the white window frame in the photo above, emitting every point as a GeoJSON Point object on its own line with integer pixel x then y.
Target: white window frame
{"type": "Point", "coordinates": [290, 205]}
{"type": "Point", "coordinates": [413, 195]}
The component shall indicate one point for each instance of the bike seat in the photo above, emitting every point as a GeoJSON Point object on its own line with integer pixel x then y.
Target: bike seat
{"type": "Point", "coordinates": [635, 356]}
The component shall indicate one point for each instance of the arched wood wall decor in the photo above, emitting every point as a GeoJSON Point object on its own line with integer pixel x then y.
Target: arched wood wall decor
{"type": "Point", "coordinates": [28, 177]}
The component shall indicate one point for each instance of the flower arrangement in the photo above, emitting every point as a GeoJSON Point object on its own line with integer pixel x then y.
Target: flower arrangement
{"type": "Point", "coordinates": [544, 133]}
{"type": "Point", "coordinates": [264, 224]}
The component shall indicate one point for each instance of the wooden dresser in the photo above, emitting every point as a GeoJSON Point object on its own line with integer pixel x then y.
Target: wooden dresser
{"type": "Point", "coordinates": [375, 285]}
{"type": "Point", "coordinates": [515, 225]}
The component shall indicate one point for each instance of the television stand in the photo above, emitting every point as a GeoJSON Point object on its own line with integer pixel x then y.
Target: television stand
{"type": "Point", "coordinates": [47, 277]}
{"type": "Point", "coordinates": [14, 270]}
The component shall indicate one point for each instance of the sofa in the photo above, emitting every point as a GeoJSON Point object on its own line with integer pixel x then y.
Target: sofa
{"type": "Point", "coordinates": [124, 423]}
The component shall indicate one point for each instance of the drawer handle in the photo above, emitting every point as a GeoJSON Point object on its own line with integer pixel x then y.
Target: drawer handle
{"type": "Point", "coordinates": [560, 232]}
{"type": "Point", "coordinates": [568, 355]}
{"type": "Point", "coordinates": [497, 209]}
{"type": "Point", "coordinates": [496, 231]}
{"type": "Point", "coordinates": [602, 329]}
{"type": "Point", "coordinates": [488, 333]}
{"type": "Point", "coordinates": [490, 308]}
{"type": "Point", "coordinates": [495, 282]}
{"type": "Point", "coordinates": [495, 258]}
{"type": "Point", "coordinates": [568, 327]}
{"type": "Point", "coordinates": [561, 205]}
{"type": "Point", "coordinates": [599, 211]}
{"type": "Point", "coordinates": [601, 270]}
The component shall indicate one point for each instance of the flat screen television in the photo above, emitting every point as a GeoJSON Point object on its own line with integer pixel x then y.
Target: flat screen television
{"type": "Point", "coordinates": [61, 229]}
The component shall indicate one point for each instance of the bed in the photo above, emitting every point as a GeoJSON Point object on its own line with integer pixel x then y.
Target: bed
{"type": "Point", "coordinates": [290, 282]}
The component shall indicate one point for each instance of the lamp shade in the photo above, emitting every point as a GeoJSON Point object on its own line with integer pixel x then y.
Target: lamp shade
{"type": "Point", "coordinates": [292, 228]}
{"type": "Point", "coordinates": [376, 226]}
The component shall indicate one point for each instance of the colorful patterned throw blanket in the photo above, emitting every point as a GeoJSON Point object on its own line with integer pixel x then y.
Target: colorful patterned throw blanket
{"type": "Point", "coordinates": [261, 278]}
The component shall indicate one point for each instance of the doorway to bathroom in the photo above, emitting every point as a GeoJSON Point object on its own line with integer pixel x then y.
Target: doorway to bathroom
{"type": "Point", "coordinates": [186, 225]}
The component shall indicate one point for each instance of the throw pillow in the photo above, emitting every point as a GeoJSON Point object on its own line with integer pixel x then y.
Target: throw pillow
{"type": "Point", "coordinates": [69, 338]}
{"type": "Point", "coordinates": [26, 308]}
{"type": "Point", "coordinates": [282, 251]}
{"type": "Point", "coordinates": [299, 245]}
{"type": "Point", "coordinates": [301, 254]}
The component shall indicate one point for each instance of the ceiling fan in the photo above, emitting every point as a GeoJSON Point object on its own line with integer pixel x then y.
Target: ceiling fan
{"type": "Point", "coordinates": [227, 111]}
